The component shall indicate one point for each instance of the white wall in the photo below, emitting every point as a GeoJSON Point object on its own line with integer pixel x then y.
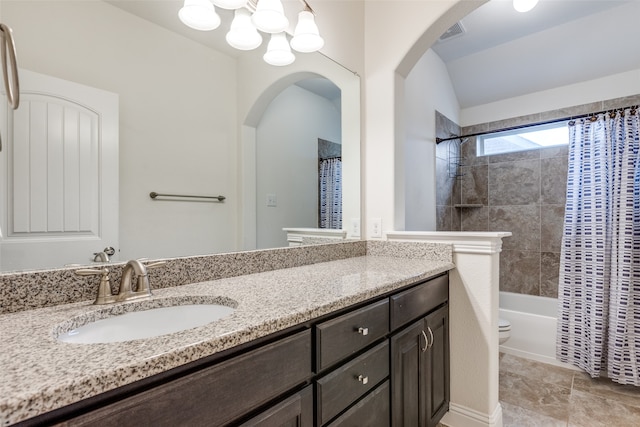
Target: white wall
{"type": "Point", "coordinates": [397, 34]}
{"type": "Point", "coordinates": [287, 161]}
{"type": "Point", "coordinates": [177, 117]}
{"type": "Point", "coordinates": [427, 88]}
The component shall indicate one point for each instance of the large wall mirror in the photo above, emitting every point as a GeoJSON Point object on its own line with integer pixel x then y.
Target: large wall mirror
{"type": "Point", "coordinates": [177, 113]}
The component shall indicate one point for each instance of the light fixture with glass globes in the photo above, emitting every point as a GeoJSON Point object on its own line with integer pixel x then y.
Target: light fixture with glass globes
{"type": "Point", "coordinates": [524, 5]}
{"type": "Point", "coordinates": [252, 17]}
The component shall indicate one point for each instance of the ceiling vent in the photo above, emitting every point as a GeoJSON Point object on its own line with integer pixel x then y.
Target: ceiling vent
{"type": "Point", "coordinates": [456, 30]}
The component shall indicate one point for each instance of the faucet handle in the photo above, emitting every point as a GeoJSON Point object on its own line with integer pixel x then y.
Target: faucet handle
{"type": "Point", "coordinates": [156, 264]}
{"type": "Point", "coordinates": [104, 289]}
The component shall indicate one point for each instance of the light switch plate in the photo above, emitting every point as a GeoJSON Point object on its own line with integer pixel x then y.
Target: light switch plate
{"type": "Point", "coordinates": [272, 200]}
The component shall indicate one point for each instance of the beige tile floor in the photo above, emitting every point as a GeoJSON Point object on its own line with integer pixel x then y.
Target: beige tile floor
{"type": "Point", "coordinates": [534, 394]}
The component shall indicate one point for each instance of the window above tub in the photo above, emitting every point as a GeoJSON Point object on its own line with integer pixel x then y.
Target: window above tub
{"type": "Point", "coordinates": [522, 139]}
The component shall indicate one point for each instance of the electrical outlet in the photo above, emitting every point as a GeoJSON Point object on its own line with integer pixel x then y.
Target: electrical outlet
{"type": "Point", "coordinates": [272, 200]}
{"type": "Point", "coordinates": [376, 227]}
{"type": "Point", "coordinates": [355, 227]}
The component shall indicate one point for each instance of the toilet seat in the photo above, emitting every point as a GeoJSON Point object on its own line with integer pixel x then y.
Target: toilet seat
{"type": "Point", "coordinates": [504, 330]}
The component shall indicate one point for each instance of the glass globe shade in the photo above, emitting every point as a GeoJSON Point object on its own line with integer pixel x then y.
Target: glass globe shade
{"type": "Point", "coordinates": [230, 4]}
{"type": "Point", "coordinates": [199, 15]}
{"type": "Point", "coordinates": [243, 35]}
{"type": "Point", "coordinates": [524, 5]}
{"type": "Point", "coordinates": [278, 51]}
{"type": "Point", "coordinates": [269, 16]}
{"type": "Point", "coordinates": [306, 37]}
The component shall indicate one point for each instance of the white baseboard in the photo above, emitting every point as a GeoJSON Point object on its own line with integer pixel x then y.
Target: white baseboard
{"type": "Point", "coordinates": [461, 416]}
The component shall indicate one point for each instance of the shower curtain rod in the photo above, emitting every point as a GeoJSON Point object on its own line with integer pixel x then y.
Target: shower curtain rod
{"type": "Point", "coordinates": [528, 125]}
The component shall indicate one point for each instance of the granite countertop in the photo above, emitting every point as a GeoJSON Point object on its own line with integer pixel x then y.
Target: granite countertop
{"type": "Point", "coordinates": [40, 374]}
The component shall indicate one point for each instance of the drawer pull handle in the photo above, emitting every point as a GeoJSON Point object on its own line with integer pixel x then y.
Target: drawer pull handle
{"type": "Point", "coordinates": [364, 380]}
{"type": "Point", "coordinates": [363, 331]}
{"type": "Point", "coordinates": [431, 335]}
{"type": "Point", "coordinates": [426, 342]}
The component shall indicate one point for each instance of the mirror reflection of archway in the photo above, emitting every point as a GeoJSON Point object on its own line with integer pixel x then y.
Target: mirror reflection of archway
{"type": "Point", "coordinates": [294, 128]}
{"type": "Point", "coordinates": [299, 122]}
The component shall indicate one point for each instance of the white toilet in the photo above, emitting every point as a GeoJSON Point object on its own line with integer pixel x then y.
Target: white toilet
{"type": "Point", "coordinates": [504, 330]}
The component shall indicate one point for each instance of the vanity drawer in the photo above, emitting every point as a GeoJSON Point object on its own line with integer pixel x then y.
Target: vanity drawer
{"type": "Point", "coordinates": [348, 383]}
{"type": "Point", "coordinates": [419, 300]}
{"type": "Point", "coordinates": [216, 395]}
{"type": "Point", "coordinates": [372, 411]}
{"type": "Point", "coordinates": [344, 335]}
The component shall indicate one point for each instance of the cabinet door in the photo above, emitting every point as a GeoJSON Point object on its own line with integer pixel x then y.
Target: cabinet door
{"type": "Point", "coordinates": [420, 371]}
{"type": "Point", "coordinates": [296, 411]}
{"type": "Point", "coordinates": [372, 411]}
{"type": "Point", "coordinates": [436, 360]}
{"type": "Point", "coordinates": [407, 389]}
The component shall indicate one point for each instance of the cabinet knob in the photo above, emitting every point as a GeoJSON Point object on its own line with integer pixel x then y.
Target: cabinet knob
{"type": "Point", "coordinates": [363, 331]}
{"type": "Point", "coordinates": [364, 380]}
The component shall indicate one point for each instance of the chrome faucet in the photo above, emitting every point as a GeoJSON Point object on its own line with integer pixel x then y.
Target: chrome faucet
{"type": "Point", "coordinates": [125, 292]}
{"type": "Point", "coordinates": [143, 290]}
{"type": "Point", "coordinates": [103, 256]}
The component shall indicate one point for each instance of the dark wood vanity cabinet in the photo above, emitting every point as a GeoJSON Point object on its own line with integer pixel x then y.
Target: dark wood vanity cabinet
{"type": "Point", "coordinates": [403, 347]}
{"type": "Point", "coordinates": [420, 355]}
{"type": "Point", "coordinates": [380, 363]}
{"type": "Point", "coordinates": [220, 394]}
{"type": "Point", "coordinates": [420, 371]}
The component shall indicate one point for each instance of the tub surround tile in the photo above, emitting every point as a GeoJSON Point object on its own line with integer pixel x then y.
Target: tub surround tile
{"type": "Point", "coordinates": [443, 218]}
{"type": "Point", "coordinates": [551, 227]}
{"type": "Point", "coordinates": [444, 186]}
{"type": "Point", "coordinates": [575, 110]}
{"type": "Point", "coordinates": [516, 156]}
{"type": "Point", "coordinates": [474, 219]}
{"type": "Point", "coordinates": [626, 101]}
{"type": "Point", "coordinates": [553, 174]}
{"type": "Point", "coordinates": [470, 153]}
{"type": "Point", "coordinates": [520, 272]}
{"type": "Point", "coordinates": [514, 183]}
{"type": "Point", "coordinates": [531, 178]}
{"type": "Point", "coordinates": [37, 372]}
{"type": "Point", "coordinates": [522, 221]}
{"type": "Point", "coordinates": [558, 151]}
{"type": "Point", "coordinates": [513, 121]}
{"type": "Point", "coordinates": [549, 274]}
{"type": "Point", "coordinates": [456, 219]}
{"type": "Point", "coordinates": [473, 183]}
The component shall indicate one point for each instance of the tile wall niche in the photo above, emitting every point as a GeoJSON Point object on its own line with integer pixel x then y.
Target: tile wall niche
{"type": "Point", "coordinates": [523, 193]}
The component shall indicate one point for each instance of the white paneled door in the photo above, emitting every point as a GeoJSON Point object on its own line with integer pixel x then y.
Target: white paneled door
{"type": "Point", "coordinates": [59, 176]}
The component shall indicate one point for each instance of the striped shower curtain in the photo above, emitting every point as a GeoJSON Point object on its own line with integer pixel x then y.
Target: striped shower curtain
{"type": "Point", "coordinates": [331, 193]}
{"type": "Point", "coordinates": [599, 290]}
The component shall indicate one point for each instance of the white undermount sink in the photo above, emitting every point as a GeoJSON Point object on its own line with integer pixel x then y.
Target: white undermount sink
{"type": "Point", "coordinates": [146, 323]}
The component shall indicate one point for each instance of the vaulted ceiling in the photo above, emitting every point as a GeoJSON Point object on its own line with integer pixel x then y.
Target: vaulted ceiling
{"type": "Point", "coordinates": [503, 53]}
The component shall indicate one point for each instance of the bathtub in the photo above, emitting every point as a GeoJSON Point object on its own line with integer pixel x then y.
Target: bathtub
{"type": "Point", "coordinates": [533, 327]}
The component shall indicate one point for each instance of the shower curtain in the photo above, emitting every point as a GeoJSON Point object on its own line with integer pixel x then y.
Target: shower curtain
{"type": "Point", "coordinates": [331, 193]}
{"type": "Point", "coordinates": [599, 289]}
